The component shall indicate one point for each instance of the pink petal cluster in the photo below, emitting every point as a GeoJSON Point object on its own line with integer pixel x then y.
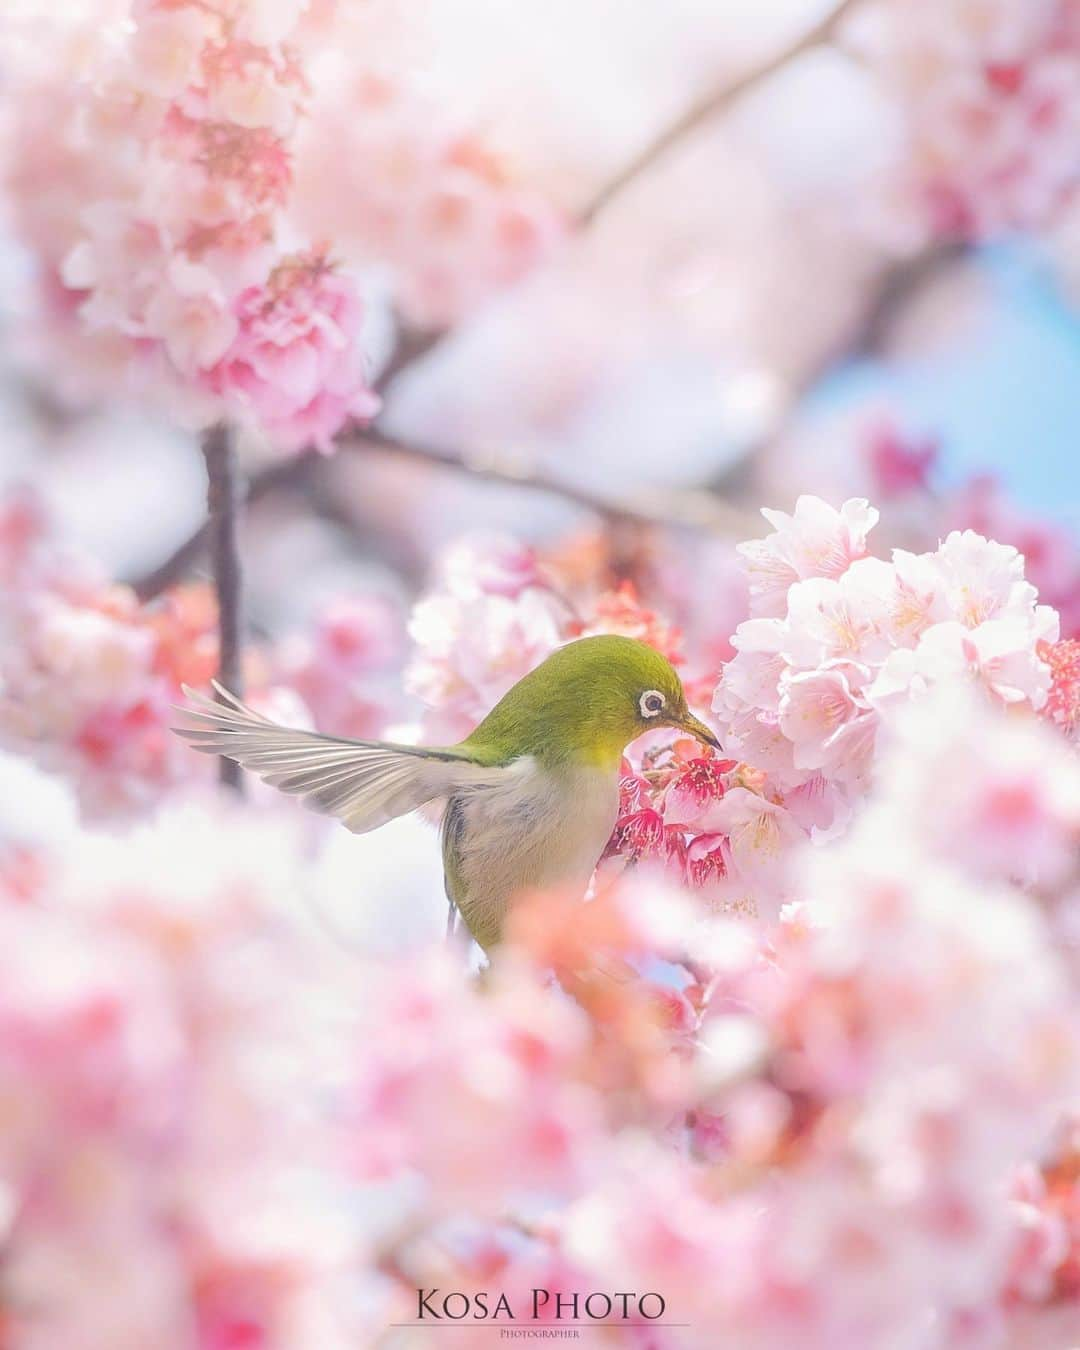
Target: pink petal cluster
{"type": "Point", "coordinates": [838, 640]}
{"type": "Point", "coordinates": [475, 1095]}
{"type": "Point", "coordinates": [51, 170]}
{"type": "Point", "coordinates": [496, 610]}
{"type": "Point", "coordinates": [491, 617]}
{"type": "Point", "coordinates": [168, 1146]}
{"type": "Point", "coordinates": [345, 664]}
{"type": "Point", "coordinates": [1063, 702]}
{"type": "Point", "coordinates": [88, 675]}
{"type": "Point", "coordinates": [178, 251]}
{"type": "Point", "coordinates": [988, 92]}
{"type": "Point", "coordinates": [405, 183]}
{"type": "Point", "coordinates": [295, 366]}
{"type": "Point", "coordinates": [1051, 551]}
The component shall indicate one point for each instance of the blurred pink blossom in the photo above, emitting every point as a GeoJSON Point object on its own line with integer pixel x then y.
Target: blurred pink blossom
{"type": "Point", "coordinates": [989, 97]}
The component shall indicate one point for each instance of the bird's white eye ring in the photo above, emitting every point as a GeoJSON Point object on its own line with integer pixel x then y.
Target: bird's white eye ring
{"type": "Point", "coordinates": [652, 703]}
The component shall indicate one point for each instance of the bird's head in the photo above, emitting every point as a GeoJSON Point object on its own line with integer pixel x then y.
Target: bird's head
{"type": "Point", "coordinates": [588, 701]}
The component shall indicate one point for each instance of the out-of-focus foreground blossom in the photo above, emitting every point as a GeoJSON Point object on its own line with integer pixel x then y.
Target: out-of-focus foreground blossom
{"type": "Point", "coordinates": [173, 1031]}
{"type": "Point", "coordinates": [842, 1128]}
{"type": "Point", "coordinates": [818, 1137]}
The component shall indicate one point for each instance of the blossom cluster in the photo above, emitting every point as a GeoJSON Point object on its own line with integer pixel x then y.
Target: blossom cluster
{"type": "Point", "coordinates": [869, 454]}
{"type": "Point", "coordinates": [345, 664]}
{"type": "Point", "coordinates": [168, 1027]}
{"type": "Point", "coordinates": [837, 639]}
{"type": "Point", "coordinates": [835, 643]}
{"type": "Point", "coordinates": [496, 610]}
{"type": "Point", "coordinates": [90, 676]}
{"type": "Point", "coordinates": [407, 185]}
{"type": "Point", "coordinates": [989, 97]}
{"type": "Point", "coordinates": [176, 150]}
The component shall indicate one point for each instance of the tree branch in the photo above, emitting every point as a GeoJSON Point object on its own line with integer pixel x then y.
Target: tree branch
{"type": "Point", "coordinates": [223, 501]}
{"type": "Point", "coordinates": [714, 103]}
{"type": "Point", "coordinates": [290, 473]}
{"type": "Point", "coordinates": [672, 508]}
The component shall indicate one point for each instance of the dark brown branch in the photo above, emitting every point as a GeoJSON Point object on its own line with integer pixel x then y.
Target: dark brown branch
{"type": "Point", "coordinates": [288, 474]}
{"type": "Point", "coordinates": [671, 508]}
{"type": "Point", "coordinates": [412, 347]}
{"type": "Point", "coordinates": [715, 102]}
{"type": "Point", "coordinates": [224, 499]}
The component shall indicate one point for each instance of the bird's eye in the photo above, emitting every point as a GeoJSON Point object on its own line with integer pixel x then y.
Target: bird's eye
{"type": "Point", "coordinates": [652, 703]}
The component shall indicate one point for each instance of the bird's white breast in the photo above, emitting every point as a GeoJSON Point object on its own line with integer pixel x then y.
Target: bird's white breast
{"type": "Point", "coordinates": [530, 829]}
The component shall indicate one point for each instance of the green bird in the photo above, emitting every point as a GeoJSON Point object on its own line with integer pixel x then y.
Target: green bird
{"type": "Point", "coordinates": [531, 796]}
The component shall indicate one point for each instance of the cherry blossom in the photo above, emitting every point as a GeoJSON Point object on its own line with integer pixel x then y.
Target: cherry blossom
{"type": "Point", "coordinates": [1051, 554]}
{"type": "Point", "coordinates": [1063, 701]}
{"type": "Point", "coordinates": [405, 180]}
{"type": "Point", "coordinates": [815, 541]}
{"type": "Point", "coordinates": [89, 676]}
{"type": "Point", "coordinates": [143, 1201]}
{"type": "Point", "coordinates": [804, 695]}
{"type": "Point", "coordinates": [344, 664]}
{"type": "Point", "coordinates": [180, 252]}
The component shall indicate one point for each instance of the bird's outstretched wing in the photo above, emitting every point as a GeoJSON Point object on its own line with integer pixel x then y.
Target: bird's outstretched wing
{"type": "Point", "coordinates": [363, 783]}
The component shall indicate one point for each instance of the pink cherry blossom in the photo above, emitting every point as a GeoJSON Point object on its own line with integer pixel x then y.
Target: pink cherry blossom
{"type": "Point", "coordinates": [1051, 553]}
{"type": "Point", "coordinates": [808, 688]}
{"type": "Point", "coordinates": [403, 178]}
{"type": "Point", "coordinates": [815, 541]}
{"type": "Point", "coordinates": [344, 664]}
{"type": "Point", "coordinates": [989, 102]}
{"type": "Point", "coordinates": [145, 1199]}
{"type": "Point", "coordinates": [473, 644]}
{"type": "Point", "coordinates": [295, 365]}
{"type": "Point", "coordinates": [831, 729]}
{"type": "Point", "coordinates": [480, 1074]}
{"type": "Point", "coordinates": [1063, 701]}
{"type": "Point", "coordinates": [176, 264]}
{"type": "Point", "coordinates": [88, 676]}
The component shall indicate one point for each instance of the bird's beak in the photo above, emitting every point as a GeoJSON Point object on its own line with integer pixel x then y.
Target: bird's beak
{"type": "Point", "coordinates": [696, 728]}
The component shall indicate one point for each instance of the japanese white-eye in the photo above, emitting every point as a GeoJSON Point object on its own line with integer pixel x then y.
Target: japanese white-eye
{"type": "Point", "coordinates": [531, 796]}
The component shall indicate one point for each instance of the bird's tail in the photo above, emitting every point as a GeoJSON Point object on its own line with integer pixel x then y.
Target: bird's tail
{"type": "Point", "coordinates": [363, 783]}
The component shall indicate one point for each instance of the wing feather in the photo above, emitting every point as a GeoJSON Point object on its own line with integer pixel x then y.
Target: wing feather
{"type": "Point", "coordinates": [363, 783]}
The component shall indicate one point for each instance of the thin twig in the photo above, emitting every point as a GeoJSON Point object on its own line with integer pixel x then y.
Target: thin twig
{"type": "Point", "coordinates": [223, 501]}
{"type": "Point", "coordinates": [669, 508]}
{"type": "Point", "coordinates": [672, 508]}
{"type": "Point", "coordinates": [715, 102]}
